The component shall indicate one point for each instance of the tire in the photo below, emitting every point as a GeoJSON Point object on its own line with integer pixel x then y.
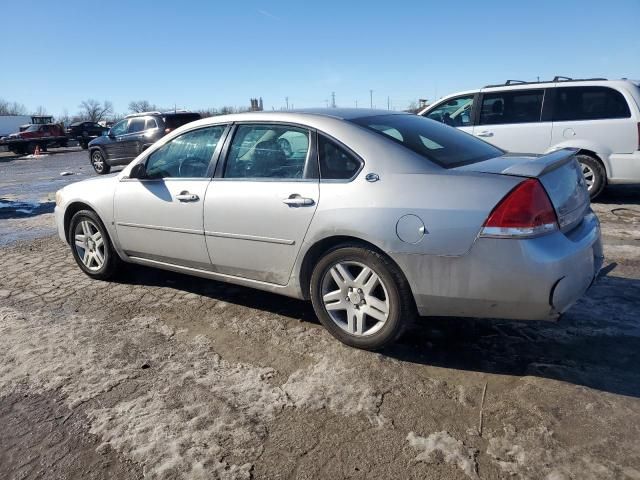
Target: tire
{"type": "Point", "coordinates": [594, 174]}
{"type": "Point", "coordinates": [30, 148]}
{"type": "Point", "coordinates": [94, 255]}
{"type": "Point", "coordinates": [98, 162]}
{"type": "Point", "coordinates": [382, 288]}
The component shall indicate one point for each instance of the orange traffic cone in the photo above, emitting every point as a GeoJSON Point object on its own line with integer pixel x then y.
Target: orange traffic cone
{"type": "Point", "coordinates": [37, 152]}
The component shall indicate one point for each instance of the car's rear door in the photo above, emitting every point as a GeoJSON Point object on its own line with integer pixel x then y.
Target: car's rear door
{"type": "Point", "coordinates": [597, 114]}
{"type": "Point", "coordinates": [159, 217]}
{"type": "Point", "coordinates": [512, 120]}
{"type": "Point", "coordinates": [261, 201]}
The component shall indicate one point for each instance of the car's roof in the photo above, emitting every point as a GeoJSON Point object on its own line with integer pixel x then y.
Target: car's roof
{"type": "Point", "coordinates": [344, 113]}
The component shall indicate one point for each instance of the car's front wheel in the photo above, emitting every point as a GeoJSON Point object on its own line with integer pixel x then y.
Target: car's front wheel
{"type": "Point", "coordinates": [361, 297]}
{"type": "Point", "coordinates": [99, 164]}
{"type": "Point", "coordinates": [91, 246]}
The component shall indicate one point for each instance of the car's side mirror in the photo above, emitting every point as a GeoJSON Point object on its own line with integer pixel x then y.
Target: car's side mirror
{"type": "Point", "coordinates": [110, 134]}
{"type": "Point", "coordinates": [138, 171]}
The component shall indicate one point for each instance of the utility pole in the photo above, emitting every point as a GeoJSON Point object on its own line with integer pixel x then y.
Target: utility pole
{"type": "Point", "coordinates": [326, 102]}
{"type": "Point", "coordinates": [286, 99]}
{"type": "Point", "coordinates": [356, 103]}
{"type": "Point", "coordinates": [333, 99]}
{"type": "Point", "coordinates": [371, 98]}
{"type": "Point", "coordinates": [388, 103]}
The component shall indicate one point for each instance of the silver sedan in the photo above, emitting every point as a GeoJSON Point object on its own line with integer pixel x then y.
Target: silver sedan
{"type": "Point", "coordinates": [374, 216]}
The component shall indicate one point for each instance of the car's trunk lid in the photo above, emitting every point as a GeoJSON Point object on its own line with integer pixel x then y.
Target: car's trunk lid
{"type": "Point", "coordinates": [559, 173]}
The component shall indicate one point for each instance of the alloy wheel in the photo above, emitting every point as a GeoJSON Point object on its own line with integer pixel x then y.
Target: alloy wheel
{"type": "Point", "coordinates": [355, 297]}
{"type": "Point", "coordinates": [589, 176]}
{"type": "Point", "coordinates": [97, 160]}
{"type": "Point", "coordinates": [89, 244]}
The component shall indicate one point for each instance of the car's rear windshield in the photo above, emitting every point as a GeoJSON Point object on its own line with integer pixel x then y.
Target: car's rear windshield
{"type": "Point", "coordinates": [177, 120]}
{"type": "Point", "coordinates": [439, 143]}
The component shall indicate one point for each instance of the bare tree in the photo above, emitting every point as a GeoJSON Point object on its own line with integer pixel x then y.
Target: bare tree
{"type": "Point", "coordinates": [93, 111]}
{"type": "Point", "coordinates": [138, 106]}
{"type": "Point", "coordinates": [40, 110]}
{"type": "Point", "coordinates": [12, 108]}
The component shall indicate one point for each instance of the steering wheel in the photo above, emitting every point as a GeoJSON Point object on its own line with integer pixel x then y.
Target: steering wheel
{"type": "Point", "coordinates": [192, 167]}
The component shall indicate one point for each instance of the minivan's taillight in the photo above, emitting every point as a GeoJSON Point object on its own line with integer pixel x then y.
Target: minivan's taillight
{"type": "Point", "coordinates": [525, 211]}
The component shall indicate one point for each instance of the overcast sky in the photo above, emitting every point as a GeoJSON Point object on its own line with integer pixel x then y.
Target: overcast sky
{"type": "Point", "coordinates": [213, 53]}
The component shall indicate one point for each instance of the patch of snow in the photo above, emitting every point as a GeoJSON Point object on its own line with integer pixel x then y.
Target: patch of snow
{"type": "Point", "coordinates": [453, 451]}
{"type": "Point", "coordinates": [337, 386]}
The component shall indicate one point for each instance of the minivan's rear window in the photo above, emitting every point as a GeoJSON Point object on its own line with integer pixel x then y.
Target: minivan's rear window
{"type": "Point", "coordinates": [177, 120]}
{"type": "Point", "coordinates": [443, 145]}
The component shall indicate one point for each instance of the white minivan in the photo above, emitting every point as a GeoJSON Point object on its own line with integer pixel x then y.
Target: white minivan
{"type": "Point", "coordinates": [599, 117]}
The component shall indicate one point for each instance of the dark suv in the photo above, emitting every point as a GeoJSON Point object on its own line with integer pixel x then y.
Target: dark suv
{"type": "Point", "coordinates": [83, 132]}
{"type": "Point", "coordinates": [127, 138]}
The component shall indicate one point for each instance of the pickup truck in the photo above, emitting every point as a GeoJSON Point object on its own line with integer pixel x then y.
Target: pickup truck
{"type": "Point", "coordinates": [36, 135]}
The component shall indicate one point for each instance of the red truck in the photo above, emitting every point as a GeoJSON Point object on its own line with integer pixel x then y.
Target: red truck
{"type": "Point", "coordinates": [42, 135]}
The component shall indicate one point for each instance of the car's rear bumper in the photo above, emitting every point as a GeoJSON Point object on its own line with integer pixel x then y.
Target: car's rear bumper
{"type": "Point", "coordinates": [529, 279]}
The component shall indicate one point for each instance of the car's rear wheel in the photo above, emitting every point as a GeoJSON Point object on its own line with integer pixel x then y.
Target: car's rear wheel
{"type": "Point", "coordinates": [594, 174]}
{"type": "Point", "coordinates": [91, 246]}
{"type": "Point", "coordinates": [99, 165]}
{"type": "Point", "coordinates": [361, 297]}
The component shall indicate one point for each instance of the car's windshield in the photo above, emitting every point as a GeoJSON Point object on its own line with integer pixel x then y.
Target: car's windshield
{"type": "Point", "coordinates": [32, 128]}
{"type": "Point", "coordinates": [438, 143]}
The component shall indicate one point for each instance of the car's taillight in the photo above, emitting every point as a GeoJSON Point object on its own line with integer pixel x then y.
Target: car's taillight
{"type": "Point", "coordinates": [525, 211]}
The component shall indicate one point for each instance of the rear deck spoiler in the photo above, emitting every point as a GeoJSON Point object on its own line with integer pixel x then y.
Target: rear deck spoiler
{"type": "Point", "coordinates": [538, 166]}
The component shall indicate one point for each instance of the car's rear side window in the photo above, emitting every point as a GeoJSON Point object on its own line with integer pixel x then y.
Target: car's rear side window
{"type": "Point", "coordinates": [336, 163]}
{"type": "Point", "coordinates": [177, 120]}
{"type": "Point", "coordinates": [442, 145]}
{"type": "Point", "coordinates": [514, 106]}
{"type": "Point", "coordinates": [589, 103]}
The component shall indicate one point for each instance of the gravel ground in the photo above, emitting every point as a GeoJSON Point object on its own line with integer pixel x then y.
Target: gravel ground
{"type": "Point", "coordinates": [159, 375]}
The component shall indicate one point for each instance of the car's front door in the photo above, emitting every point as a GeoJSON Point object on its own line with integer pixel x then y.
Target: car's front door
{"type": "Point", "coordinates": [159, 216]}
{"type": "Point", "coordinates": [132, 140]}
{"type": "Point", "coordinates": [259, 206]}
{"type": "Point", "coordinates": [512, 120]}
{"type": "Point", "coordinates": [114, 147]}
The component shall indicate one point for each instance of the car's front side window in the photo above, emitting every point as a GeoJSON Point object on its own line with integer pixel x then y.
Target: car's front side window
{"type": "Point", "coordinates": [456, 112]}
{"type": "Point", "coordinates": [120, 128]}
{"type": "Point", "coordinates": [268, 151]}
{"type": "Point", "coordinates": [515, 106]}
{"type": "Point", "coordinates": [186, 156]}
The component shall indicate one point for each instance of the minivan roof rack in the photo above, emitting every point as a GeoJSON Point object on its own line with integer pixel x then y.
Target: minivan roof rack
{"type": "Point", "coordinates": [142, 114]}
{"type": "Point", "coordinates": [556, 79]}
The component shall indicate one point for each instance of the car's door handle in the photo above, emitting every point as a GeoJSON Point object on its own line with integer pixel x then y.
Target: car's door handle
{"type": "Point", "coordinates": [485, 133]}
{"type": "Point", "coordinates": [187, 197]}
{"type": "Point", "coordinates": [296, 200]}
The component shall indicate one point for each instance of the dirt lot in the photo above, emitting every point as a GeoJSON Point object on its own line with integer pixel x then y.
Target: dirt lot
{"type": "Point", "coordinates": [160, 375]}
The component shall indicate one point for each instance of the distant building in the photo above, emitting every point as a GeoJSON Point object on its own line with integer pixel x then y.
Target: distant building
{"type": "Point", "coordinates": [256, 105]}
